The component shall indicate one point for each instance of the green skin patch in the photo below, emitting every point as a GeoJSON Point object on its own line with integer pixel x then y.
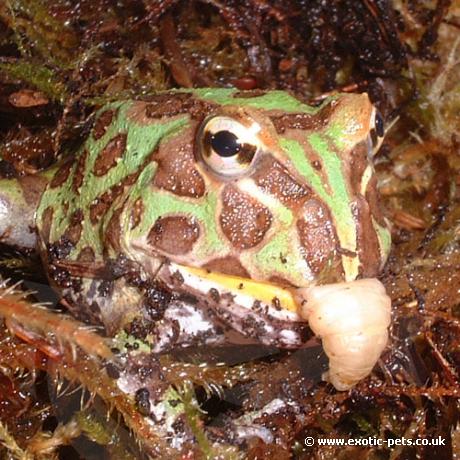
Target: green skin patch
{"type": "Point", "coordinates": [273, 100]}
{"type": "Point", "coordinates": [338, 201]}
{"type": "Point", "coordinates": [279, 253]}
{"type": "Point", "coordinates": [141, 141]}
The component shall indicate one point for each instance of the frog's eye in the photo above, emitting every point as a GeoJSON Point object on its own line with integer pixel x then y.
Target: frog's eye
{"type": "Point", "coordinates": [227, 146]}
{"type": "Point", "coordinates": [376, 133]}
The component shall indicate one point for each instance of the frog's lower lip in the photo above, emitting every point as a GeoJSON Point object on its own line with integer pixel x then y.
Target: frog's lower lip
{"type": "Point", "coordinates": [260, 311]}
{"type": "Point", "coordinates": [275, 296]}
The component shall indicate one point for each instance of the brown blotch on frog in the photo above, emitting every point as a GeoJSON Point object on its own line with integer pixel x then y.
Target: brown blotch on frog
{"type": "Point", "coordinates": [79, 172]}
{"type": "Point", "coordinates": [32, 188]}
{"type": "Point", "coordinates": [227, 265]}
{"type": "Point", "coordinates": [46, 222]}
{"type": "Point", "coordinates": [112, 236]}
{"type": "Point", "coordinates": [317, 235]}
{"type": "Point", "coordinates": [103, 122]}
{"type": "Point", "coordinates": [176, 170]}
{"type": "Point", "coordinates": [86, 255]}
{"type": "Point", "coordinates": [373, 198]}
{"type": "Point", "coordinates": [301, 121]}
{"type": "Point", "coordinates": [358, 163]}
{"type": "Point", "coordinates": [110, 154]}
{"type": "Point", "coordinates": [367, 239]}
{"type": "Point", "coordinates": [244, 221]}
{"type": "Point", "coordinates": [273, 178]}
{"type": "Point", "coordinates": [102, 203]}
{"type": "Point", "coordinates": [174, 234]}
{"type": "Point", "coordinates": [162, 105]}
{"type": "Point", "coordinates": [75, 228]}
{"type": "Point", "coordinates": [62, 173]}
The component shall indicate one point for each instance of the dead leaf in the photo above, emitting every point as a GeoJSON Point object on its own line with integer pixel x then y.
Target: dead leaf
{"type": "Point", "coordinates": [27, 98]}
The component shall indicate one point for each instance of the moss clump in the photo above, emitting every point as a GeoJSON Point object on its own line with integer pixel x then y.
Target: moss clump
{"type": "Point", "coordinates": [41, 77]}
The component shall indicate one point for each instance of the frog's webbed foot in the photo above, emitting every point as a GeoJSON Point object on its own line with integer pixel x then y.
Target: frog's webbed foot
{"type": "Point", "coordinates": [352, 320]}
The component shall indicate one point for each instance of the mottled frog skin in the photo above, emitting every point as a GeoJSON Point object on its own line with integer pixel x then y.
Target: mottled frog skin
{"type": "Point", "coordinates": [251, 185]}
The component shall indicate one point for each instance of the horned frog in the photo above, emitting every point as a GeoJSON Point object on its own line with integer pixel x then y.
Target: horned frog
{"type": "Point", "coordinates": [210, 215]}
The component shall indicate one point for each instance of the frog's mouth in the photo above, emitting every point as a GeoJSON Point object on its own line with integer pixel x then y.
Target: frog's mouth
{"type": "Point", "coordinates": [259, 310]}
{"type": "Point", "coordinates": [351, 317]}
{"type": "Point", "coordinates": [267, 293]}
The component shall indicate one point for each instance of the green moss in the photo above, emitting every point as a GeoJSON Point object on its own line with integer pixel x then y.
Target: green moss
{"type": "Point", "coordinates": [38, 76]}
{"type": "Point", "coordinates": [93, 428]}
{"type": "Point", "coordinates": [122, 339]}
{"type": "Point", "coordinates": [194, 414]}
{"type": "Point", "coordinates": [38, 32]}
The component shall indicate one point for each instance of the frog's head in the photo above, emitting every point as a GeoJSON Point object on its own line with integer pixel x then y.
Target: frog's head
{"type": "Point", "coordinates": [252, 199]}
{"type": "Point", "coordinates": [265, 187]}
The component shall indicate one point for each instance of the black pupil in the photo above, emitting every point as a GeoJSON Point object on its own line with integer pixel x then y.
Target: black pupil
{"type": "Point", "coordinates": [225, 143]}
{"type": "Point", "coordinates": [379, 127]}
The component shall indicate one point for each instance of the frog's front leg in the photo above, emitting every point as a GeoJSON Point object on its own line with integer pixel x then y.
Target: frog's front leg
{"type": "Point", "coordinates": [352, 319]}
